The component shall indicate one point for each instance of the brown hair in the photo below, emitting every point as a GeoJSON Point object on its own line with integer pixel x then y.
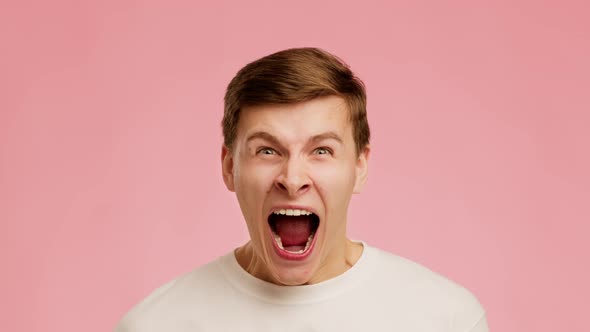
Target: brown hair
{"type": "Point", "coordinates": [292, 76]}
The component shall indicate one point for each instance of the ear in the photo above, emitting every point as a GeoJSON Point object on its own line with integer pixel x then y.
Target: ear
{"type": "Point", "coordinates": [362, 169]}
{"type": "Point", "coordinates": [227, 167]}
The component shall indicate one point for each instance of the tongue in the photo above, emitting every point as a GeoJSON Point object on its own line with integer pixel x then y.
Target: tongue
{"type": "Point", "coordinates": [293, 231]}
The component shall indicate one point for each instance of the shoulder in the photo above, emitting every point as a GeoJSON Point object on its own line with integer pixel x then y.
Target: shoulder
{"type": "Point", "coordinates": [420, 287]}
{"type": "Point", "coordinates": [167, 303]}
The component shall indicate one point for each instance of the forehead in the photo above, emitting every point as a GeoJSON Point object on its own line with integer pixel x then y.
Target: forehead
{"type": "Point", "coordinates": [294, 122]}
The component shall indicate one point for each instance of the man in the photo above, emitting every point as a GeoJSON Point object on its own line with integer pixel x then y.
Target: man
{"type": "Point", "coordinates": [296, 147]}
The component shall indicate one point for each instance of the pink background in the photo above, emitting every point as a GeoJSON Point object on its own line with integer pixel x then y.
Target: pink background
{"type": "Point", "coordinates": [110, 177]}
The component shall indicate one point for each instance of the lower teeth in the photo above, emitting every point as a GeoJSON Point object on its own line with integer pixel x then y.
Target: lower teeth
{"type": "Point", "coordinates": [280, 243]}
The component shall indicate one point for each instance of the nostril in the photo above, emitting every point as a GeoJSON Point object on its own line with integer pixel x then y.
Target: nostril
{"type": "Point", "coordinates": [292, 189]}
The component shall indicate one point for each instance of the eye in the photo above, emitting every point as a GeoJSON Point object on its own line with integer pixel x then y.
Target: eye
{"type": "Point", "coordinates": [266, 151]}
{"type": "Point", "coordinates": [322, 151]}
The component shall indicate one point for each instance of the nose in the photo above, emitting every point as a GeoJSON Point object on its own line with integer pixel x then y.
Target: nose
{"type": "Point", "coordinates": [293, 179]}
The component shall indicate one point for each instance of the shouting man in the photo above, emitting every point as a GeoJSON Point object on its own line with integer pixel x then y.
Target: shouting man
{"type": "Point", "coordinates": [296, 147]}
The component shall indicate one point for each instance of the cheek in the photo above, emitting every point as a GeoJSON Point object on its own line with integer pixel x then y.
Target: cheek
{"type": "Point", "coordinates": [253, 181]}
{"type": "Point", "coordinates": [251, 184]}
{"type": "Point", "coordinates": [335, 181]}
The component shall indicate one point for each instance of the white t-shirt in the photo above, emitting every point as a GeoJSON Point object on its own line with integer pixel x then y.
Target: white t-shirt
{"type": "Point", "coordinates": [381, 292]}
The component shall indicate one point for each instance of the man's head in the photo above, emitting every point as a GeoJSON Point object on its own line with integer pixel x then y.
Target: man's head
{"type": "Point", "coordinates": [293, 76]}
{"type": "Point", "coordinates": [295, 149]}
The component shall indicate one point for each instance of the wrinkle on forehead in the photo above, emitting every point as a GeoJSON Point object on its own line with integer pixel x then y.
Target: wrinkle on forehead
{"type": "Point", "coordinates": [314, 117]}
{"type": "Point", "coordinates": [318, 119]}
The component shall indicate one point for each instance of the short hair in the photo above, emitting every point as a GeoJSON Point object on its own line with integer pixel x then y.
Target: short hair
{"type": "Point", "coordinates": [292, 76]}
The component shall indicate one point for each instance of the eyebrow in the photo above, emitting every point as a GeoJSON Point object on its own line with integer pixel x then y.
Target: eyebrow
{"type": "Point", "coordinates": [327, 135]}
{"type": "Point", "coordinates": [263, 135]}
{"type": "Point", "coordinates": [272, 139]}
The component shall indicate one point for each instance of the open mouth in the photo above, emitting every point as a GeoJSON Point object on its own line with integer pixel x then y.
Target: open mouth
{"type": "Point", "coordinates": [293, 229]}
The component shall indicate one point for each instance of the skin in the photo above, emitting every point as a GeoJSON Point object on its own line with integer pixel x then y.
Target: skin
{"type": "Point", "coordinates": [300, 154]}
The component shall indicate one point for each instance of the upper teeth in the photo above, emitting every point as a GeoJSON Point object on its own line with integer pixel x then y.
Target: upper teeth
{"type": "Point", "coordinates": [293, 212]}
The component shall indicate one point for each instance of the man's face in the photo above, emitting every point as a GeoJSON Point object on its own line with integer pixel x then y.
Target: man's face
{"type": "Point", "coordinates": [297, 159]}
